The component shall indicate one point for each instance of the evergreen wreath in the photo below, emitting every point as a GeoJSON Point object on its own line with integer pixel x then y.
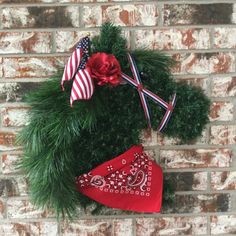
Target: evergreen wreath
{"type": "Point", "coordinates": [61, 142]}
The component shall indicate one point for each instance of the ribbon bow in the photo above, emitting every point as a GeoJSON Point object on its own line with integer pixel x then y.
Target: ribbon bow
{"type": "Point", "coordinates": [144, 93]}
{"type": "Point", "coordinates": [83, 86]}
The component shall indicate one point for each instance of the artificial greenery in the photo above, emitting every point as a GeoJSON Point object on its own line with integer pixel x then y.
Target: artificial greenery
{"type": "Point", "coordinates": [61, 142]}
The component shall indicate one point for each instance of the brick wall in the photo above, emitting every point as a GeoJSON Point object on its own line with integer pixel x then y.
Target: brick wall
{"type": "Point", "coordinates": [37, 37]}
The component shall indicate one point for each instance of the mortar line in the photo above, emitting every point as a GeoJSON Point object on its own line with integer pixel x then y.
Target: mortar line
{"type": "Point", "coordinates": [212, 32]}
{"type": "Point", "coordinates": [133, 216]}
{"type": "Point", "coordinates": [160, 8]}
{"type": "Point", "coordinates": [132, 28]}
{"type": "Point", "coordinates": [132, 40]}
{"type": "Point", "coordinates": [204, 169]}
{"type": "Point", "coordinates": [59, 228]}
{"type": "Point", "coordinates": [234, 157]}
{"type": "Point", "coordinates": [176, 76]}
{"type": "Point", "coordinates": [1, 26]}
{"type": "Point", "coordinates": [208, 225]}
{"type": "Point", "coordinates": [203, 192]}
{"type": "Point", "coordinates": [171, 2]}
{"type": "Point", "coordinates": [191, 146]}
{"type": "Point", "coordinates": [81, 11]}
{"type": "Point", "coordinates": [209, 182]}
{"type": "Point", "coordinates": [134, 228]}
{"type": "Point", "coordinates": [173, 51]}
{"type": "Point", "coordinates": [53, 42]}
{"type": "Point", "coordinates": [234, 62]}
{"type": "Point", "coordinates": [179, 171]}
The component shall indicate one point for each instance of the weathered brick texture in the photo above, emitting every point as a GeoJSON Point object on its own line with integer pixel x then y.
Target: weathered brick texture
{"type": "Point", "coordinates": [117, 227]}
{"type": "Point", "coordinates": [223, 86]}
{"type": "Point", "coordinates": [124, 15]}
{"type": "Point", "coordinates": [204, 63]}
{"type": "Point", "coordinates": [173, 39]}
{"type": "Point", "coordinates": [196, 158]}
{"type": "Point", "coordinates": [36, 38]}
{"type": "Point", "coordinates": [172, 226]}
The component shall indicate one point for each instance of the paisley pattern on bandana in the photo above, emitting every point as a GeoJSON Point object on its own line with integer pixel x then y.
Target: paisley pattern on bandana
{"type": "Point", "coordinates": [125, 182]}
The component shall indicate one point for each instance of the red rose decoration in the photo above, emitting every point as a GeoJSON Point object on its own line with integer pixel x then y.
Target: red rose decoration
{"type": "Point", "coordinates": [104, 68]}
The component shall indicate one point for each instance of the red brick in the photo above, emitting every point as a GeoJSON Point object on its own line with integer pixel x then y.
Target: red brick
{"type": "Point", "coordinates": [66, 40]}
{"type": "Point", "coordinates": [223, 86]}
{"type": "Point", "coordinates": [2, 209]}
{"type": "Point", "coordinates": [39, 17]}
{"type": "Point", "coordinates": [162, 139]}
{"type": "Point", "coordinates": [25, 42]}
{"type": "Point", "coordinates": [196, 158]}
{"type": "Point", "coordinates": [29, 228]}
{"type": "Point", "coordinates": [16, 186]}
{"type": "Point", "coordinates": [14, 92]}
{"type": "Point", "coordinates": [31, 67]}
{"type": "Point", "coordinates": [223, 134]}
{"type": "Point", "coordinates": [7, 140]}
{"type": "Point", "coordinates": [225, 38]}
{"type": "Point", "coordinates": [124, 15]}
{"type": "Point", "coordinates": [14, 116]}
{"type": "Point", "coordinates": [23, 209]}
{"type": "Point", "coordinates": [171, 226]}
{"type": "Point", "coordinates": [225, 180]}
{"type": "Point", "coordinates": [28, 1]}
{"type": "Point", "coordinates": [173, 39]}
{"type": "Point", "coordinates": [1, 67]}
{"type": "Point", "coordinates": [225, 224]}
{"type": "Point", "coordinates": [12, 187]}
{"type": "Point", "coordinates": [198, 14]}
{"type": "Point", "coordinates": [204, 63]}
{"type": "Point", "coordinates": [195, 81]}
{"type": "Point", "coordinates": [9, 163]}
{"type": "Point", "coordinates": [123, 227]}
{"type": "Point", "coordinates": [187, 181]}
{"type": "Point", "coordinates": [92, 1]}
{"type": "Point", "coordinates": [198, 203]}
{"type": "Point", "coordinates": [151, 138]}
{"type": "Point", "coordinates": [116, 227]}
{"type": "Point", "coordinates": [221, 111]}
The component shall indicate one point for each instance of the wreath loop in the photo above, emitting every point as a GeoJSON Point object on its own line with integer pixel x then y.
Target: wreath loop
{"type": "Point", "coordinates": [61, 143]}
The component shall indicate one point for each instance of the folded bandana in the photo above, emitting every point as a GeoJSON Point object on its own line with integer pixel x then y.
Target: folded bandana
{"type": "Point", "coordinates": [131, 181]}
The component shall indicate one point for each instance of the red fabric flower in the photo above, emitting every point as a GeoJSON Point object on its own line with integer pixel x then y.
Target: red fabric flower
{"type": "Point", "coordinates": [104, 68]}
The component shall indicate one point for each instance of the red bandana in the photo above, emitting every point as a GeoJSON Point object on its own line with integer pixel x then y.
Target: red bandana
{"type": "Point", "coordinates": [131, 181]}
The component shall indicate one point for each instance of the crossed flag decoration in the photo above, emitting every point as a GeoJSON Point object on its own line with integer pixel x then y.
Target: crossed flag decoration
{"type": "Point", "coordinates": [83, 85]}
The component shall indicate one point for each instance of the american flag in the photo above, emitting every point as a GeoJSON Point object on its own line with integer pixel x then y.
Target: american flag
{"type": "Point", "coordinates": [77, 60]}
{"type": "Point", "coordinates": [82, 87]}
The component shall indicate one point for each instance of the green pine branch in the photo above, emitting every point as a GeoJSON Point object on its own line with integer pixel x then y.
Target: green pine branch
{"type": "Point", "coordinates": [61, 142]}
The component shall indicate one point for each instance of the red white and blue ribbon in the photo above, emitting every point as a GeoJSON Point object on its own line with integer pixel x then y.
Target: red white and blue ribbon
{"type": "Point", "coordinates": [83, 86]}
{"type": "Point", "coordinates": [144, 93]}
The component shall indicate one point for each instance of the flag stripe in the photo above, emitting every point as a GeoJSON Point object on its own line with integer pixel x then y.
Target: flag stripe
{"type": "Point", "coordinates": [82, 87]}
{"type": "Point", "coordinates": [78, 87]}
{"type": "Point", "coordinates": [83, 81]}
{"type": "Point", "coordinates": [90, 82]}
